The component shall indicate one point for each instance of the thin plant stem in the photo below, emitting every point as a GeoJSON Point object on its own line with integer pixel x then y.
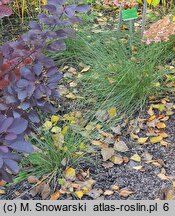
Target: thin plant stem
{"type": "Point", "coordinates": [144, 17]}
{"type": "Point", "coordinates": [23, 9]}
{"type": "Point", "coordinates": [119, 19]}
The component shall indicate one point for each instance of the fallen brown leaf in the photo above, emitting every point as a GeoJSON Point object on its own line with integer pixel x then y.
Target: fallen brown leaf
{"type": "Point", "coordinates": [153, 123]}
{"type": "Point", "coordinates": [150, 111]}
{"type": "Point", "coordinates": [160, 125]}
{"type": "Point", "coordinates": [2, 191]}
{"type": "Point", "coordinates": [116, 130]}
{"type": "Point", "coordinates": [114, 187]}
{"type": "Point", "coordinates": [105, 134]}
{"type": "Point", "coordinates": [125, 192]}
{"type": "Point", "coordinates": [72, 70]}
{"type": "Point", "coordinates": [43, 189]}
{"type": "Point", "coordinates": [2, 183]}
{"type": "Point", "coordinates": [162, 176]}
{"type": "Point", "coordinates": [120, 146]}
{"type": "Point", "coordinates": [32, 179]}
{"type": "Point", "coordinates": [125, 159]}
{"type": "Point", "coordinates": [45, 192]}
{"type": "Point", "coordinates": [95, 193]}
{"type": "Point", "coordinates": [167, 193]}
{"type": "Point", "coordinates": [71, 96]}
{"type": "Point", "coordinates": [147, 156]}
{"type": "Point", "coordinates": [107, 153]}
{"type": "Point", "coordinates": [162, 134]}
{"type": "Point", "coordinates": [164, 143]}
{"type": "Point", "coordinates": [85, 69]}
{"type": "Point", "coordinates": [107, 165]}
{"type": "Point", "coordinates": [55, 195]}
{"type": "Point", "coordinates": [116, 159]}
{"type": "Point", "coordinates": [140, 168]}
{"type": "Point", "coordinates": [108, 192]}
{"type": "Point", "coordinates": [97, 142]}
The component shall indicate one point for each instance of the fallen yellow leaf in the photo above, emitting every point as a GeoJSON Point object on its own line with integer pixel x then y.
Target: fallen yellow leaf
{"type": "Point", "coordinates": [58, 140]}
{"type": "Point", "coordinates": [142, 140]}
{"type": "Point", "coordinates": [134, 136]}
{"type": "Point", "coordinates": [47, 125]}
{"type": "Point", "coordinates": [116, 159]}
{"type": "Point", "coordinates": [79, 194]}
{"type": "Point", "coordinates": [70, 173]}
{"type": "Point", "coordinates": [85, 190]}
{"type": "Point", "coordinates": [111, 80]}
{"type": "Point", "coordinates": [64, 130]}
{"type": "Point", "coordinates": [120, 146]}
{"type": "Point", "coordinates": [89, 127]}
{"type": "Point", "coordinates": [73, 84]}
{"type": "Point", "coordinates": [61, 181]}
{"type": "Point", "coordinates": [79, 76]}
{"type": "Point", "coordinates": [169, 113]}
{"type": "Point", "coordinates": [71, 96]}
{"type": "Point", "coordinates": [85, 69]}
{"type": "Point", "coordinates": [156, 139]}
{"type": "Point", "coordinates": [136, 158]}
{"type": "Point", "coordinates": [151, 118]}
{"type": "Point", "coordinates": [160, 107]}
{"type": "Point", "coordinates": [55, 119]}
{"type": "Point", "coordinates": [98, 126]}
{"type": "Point", "coordinates": [112, 112]}
{"type": "Point", "coordinates": [82, 146]}
{"type": "Point", "coordinates": [56, 129]}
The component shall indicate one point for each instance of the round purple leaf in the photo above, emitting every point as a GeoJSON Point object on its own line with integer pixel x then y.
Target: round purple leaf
{"type": "Point", "coordinates": [18, 126]}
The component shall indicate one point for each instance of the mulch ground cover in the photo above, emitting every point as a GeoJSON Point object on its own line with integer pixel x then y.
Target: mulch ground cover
{"type": "Point", "coordinates": [143, 170]}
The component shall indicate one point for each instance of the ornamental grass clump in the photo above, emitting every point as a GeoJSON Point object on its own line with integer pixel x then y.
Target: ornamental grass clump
{"type": "Point", "coordinates": [29, 78]}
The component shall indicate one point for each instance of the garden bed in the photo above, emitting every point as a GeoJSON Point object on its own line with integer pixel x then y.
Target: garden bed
{"type": "Point", "coordinates": [112, 136]}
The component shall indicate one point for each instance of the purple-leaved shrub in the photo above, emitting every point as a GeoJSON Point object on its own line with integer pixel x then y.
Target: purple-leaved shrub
{"type": "Point", "coordinates": [29, 78]}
